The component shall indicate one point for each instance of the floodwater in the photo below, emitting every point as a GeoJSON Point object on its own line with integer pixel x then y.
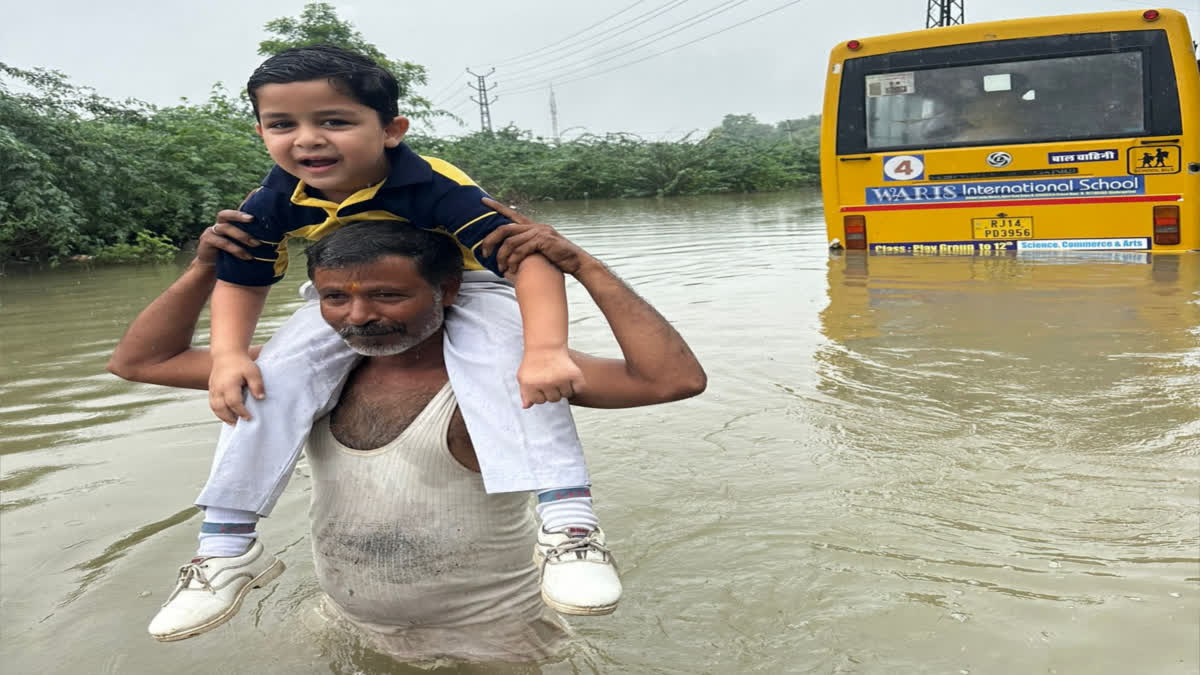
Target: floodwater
{"type": "Point", "coordinates": [902, 465]}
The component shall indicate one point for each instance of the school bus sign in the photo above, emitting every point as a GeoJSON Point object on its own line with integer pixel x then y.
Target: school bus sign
{"type": "Point", "coordinates": [1154, 159]}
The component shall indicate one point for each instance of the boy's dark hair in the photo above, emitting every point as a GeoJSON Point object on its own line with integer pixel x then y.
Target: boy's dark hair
{"type": "Point", "coordinates": [437, 256]}
{"type": "Point", "coordinates": [351, 73]}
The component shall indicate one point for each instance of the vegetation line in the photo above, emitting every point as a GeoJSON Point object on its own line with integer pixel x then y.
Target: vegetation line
{"type": "Point", "coordinates": [127, 181]}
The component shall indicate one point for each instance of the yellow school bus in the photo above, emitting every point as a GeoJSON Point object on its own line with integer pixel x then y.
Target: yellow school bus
{"type": "Point", "coordinates": [1078, 132]}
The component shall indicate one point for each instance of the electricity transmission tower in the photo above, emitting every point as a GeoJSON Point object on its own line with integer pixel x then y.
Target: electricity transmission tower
{"type": "Point", "coordinates": [944, 13]}
{"type": "Point", "coordinates": [485, 111]}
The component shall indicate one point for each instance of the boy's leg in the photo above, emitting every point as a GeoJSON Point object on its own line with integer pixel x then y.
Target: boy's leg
{"type": "Point", "coordinates": [535, 449]}
{"type": "Point", "coordinates": [303, 367]}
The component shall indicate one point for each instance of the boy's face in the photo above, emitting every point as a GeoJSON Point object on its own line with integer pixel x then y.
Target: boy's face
{"type": "Point", "coordinates": [325, 138]}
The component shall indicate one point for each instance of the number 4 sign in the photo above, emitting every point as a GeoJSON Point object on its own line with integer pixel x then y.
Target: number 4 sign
{"type": "Point", "coordinates": [904, 167]}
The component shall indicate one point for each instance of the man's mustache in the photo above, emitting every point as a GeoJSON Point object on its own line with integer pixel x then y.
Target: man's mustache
{"type": "Point", "coordinates": [373, 329]}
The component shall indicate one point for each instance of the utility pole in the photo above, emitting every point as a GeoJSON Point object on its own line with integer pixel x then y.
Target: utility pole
{"type": "Point", "coordinates": [944, 13]}
{"type": "Point", "coordinates": [553, 114]}
{"type": "Point", "coordinates": [485, 111]}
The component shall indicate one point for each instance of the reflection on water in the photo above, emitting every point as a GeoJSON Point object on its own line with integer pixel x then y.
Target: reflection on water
{"type": "Point", "coordinates": [1036, 419]}
{"type": "Point", "coordinates": [908, 464]}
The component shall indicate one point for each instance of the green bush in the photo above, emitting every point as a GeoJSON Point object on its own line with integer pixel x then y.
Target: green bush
{"type": "Point", "coordinates": [146, 248]}
{"type": "Point", "coordinates": [87, 175]}
{"type": "Point", "coordinates": [127, 181]}
{"type": "Point", "coordinates": [83, 172]}
{"type": "Point", "coordinates": [741, 155]}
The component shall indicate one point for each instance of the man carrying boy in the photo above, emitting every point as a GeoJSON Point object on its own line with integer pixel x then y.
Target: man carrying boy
{"type": "Point", "coordinates": [407, 546]}
{"type": "Point", "coordinates": [329, 120]}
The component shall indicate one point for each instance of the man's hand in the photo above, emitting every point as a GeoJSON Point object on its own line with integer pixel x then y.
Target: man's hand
{"type": "Point", "coordinates": [546, 376]}
{"type": "Point", "coordinates": [523, 237]}
{"type": "Point", "coordinates": [223, 236]}
{"type": "Point", "coordinates": [225, 394]}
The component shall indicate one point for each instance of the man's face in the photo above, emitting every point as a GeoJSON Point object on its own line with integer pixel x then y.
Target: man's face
{"type": "Point", "coordinates": [325, 138]}
{"type": "Point", "coordinates": [384, 307]}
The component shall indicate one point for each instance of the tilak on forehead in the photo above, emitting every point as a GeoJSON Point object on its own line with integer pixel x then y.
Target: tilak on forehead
{"type": "Point", "coordinates": [354, 286]}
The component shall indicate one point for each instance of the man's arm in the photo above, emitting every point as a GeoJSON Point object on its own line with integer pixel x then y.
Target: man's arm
{"type": "Point", "coordinates": [157, 347]}
{"type": "Point", "coordinates": [658, 366]}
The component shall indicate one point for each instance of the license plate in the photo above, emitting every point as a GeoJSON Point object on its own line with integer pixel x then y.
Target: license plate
{"type": "Point", "coordinates": [1019, 227]}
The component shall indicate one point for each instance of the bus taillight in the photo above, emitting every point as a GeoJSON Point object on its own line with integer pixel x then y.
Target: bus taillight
{"type": "Point", "coordinates": [855, 228]}
{"type": "Point", "coordinates": [1150, 15]}
{"type": "Point", "coordinates": [1166, 225]}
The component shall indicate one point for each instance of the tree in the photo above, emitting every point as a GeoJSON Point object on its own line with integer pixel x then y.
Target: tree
{"type": "Point", "coordinates": [83, 173]}
{"type": "Point", "coordinates": [319, 23]}
{"type": "Point", "coordinates": [742, 128]}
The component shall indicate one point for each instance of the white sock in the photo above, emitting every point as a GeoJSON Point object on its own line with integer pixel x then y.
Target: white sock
{"type": "Point", "coordinates": [567, 508]}
{"type": "Point", "coordinates": [226, 533]}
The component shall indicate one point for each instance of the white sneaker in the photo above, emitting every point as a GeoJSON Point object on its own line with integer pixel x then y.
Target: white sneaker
{"type": "Point", "coordinates": [579, 575]}
{"type": "Point", "coordinates": [210, 591]}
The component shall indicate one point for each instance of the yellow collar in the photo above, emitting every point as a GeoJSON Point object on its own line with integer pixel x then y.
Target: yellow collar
{"type": "Point", "coordinates": [300, 197]}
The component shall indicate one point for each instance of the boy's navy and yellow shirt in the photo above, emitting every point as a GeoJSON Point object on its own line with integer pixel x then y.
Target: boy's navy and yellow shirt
{"type": "Point", "coordinates": [422, 192]}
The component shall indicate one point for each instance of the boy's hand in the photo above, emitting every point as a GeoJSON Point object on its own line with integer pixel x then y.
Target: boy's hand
{"type": "Point", "coordinates": [225, 394]}
{"type": "Point", "coordinates": [546, 376]}
{"type": "Point", "coordinates": [523, 237]}
{"type": "Point", "coordinates": [223, 235]}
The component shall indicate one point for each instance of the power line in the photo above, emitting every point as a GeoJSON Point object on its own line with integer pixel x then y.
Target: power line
{"type": "Point", "coordinates": [444, 93]}
{"type": "Point", "coordinates": [550, 59]}
{"type": "Point", "coordinates": [453, 95]}
{"type": "Point", "coordinates": [455, 107]}
{"type": "Point", "coordinates": [522, 57]}
{"type": "Point", "coordinates": [665, 51]}
{"type": "Point", "coordinates": [572, 67]}
{"type": "Point", "coordinates": [459, 104]}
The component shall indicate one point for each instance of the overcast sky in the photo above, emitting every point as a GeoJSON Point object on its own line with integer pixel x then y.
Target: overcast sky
{"type": "Point", "coordinates": [772, 67]}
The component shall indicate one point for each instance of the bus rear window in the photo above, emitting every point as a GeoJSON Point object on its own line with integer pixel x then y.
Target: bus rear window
{"type": "Point", "coordinates": [1028, 101]}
